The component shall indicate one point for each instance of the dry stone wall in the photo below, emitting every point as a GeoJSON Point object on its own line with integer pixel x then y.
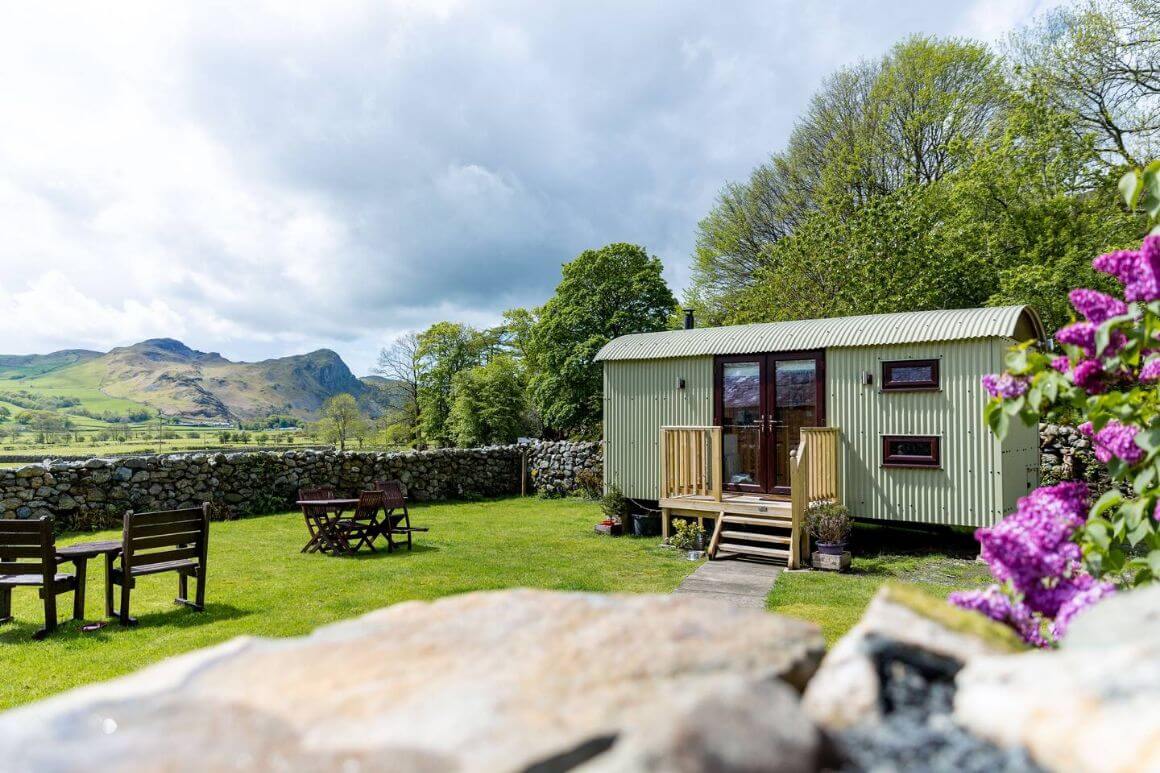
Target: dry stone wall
{"type": "Point", "coordinates": [97, 492]}
{"type": "Point", "coordinates": [1065, 454]}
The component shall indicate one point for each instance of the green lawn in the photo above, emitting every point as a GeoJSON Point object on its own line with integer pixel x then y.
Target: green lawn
{"type": "Point", "coordinates": [259, 584]}
{"type": "Point", "coordinates": [937, 560]}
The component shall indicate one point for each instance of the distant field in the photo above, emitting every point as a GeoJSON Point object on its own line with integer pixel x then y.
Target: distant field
{"type": "Point", "coordinates": [206, 440]}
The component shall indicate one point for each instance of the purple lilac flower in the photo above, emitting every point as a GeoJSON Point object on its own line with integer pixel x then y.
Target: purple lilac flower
{"type": "Point", "coordinates": [1139, 272]}
{"type": "Point", "coordinates": [1088, 376]}
{"type": "Point", "coordinates": [1083, 335]}
{"type": "Point", "coordinates": [1151, 370]}
{"type": "Point", "coordinates": [1054, 593]}
{"type": "Point", "coordinates": [1035, 542]}
{"type": "Point", "coordinates": [997, 605]}
{"type": "Point", "coordinates": [991, 601]}
{"type": "Point", "coordinates": [1096, 306]}
{"type": "Point", "coordinates": [1117, 440]}
{"type": "Point", "coordinates": [1061, 363]}
{"type": "Point", "coordinates": [1085, 598]}
{"type": "Point", "coordinates": [1004, 385]}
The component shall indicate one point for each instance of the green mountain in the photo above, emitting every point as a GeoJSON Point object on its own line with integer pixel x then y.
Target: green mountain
{"type": "Point", "coordinates": [166, 376]}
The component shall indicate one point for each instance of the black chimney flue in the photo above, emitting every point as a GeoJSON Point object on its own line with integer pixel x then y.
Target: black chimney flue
{"type": "Point", "coordinates": [689, 321]}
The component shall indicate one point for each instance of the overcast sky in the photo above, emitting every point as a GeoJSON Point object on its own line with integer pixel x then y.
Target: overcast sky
{"type": "Point", "coordinates": [263, 181]}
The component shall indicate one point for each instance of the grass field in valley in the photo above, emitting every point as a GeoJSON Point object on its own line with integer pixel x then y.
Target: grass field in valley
{"type": "Point", "coordinates": [186, 441]}
{"type": "Point", "coordinates": [259, 583]}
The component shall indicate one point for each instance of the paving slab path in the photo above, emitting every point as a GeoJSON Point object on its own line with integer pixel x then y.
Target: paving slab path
{"type": "Point", "coordinates": [732, 581]}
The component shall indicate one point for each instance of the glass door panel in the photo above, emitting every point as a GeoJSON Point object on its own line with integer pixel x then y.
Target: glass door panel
{"type": "Point", "coordinates": [741, 422]}
{"type": "Point", "coordinates": [794, 403]}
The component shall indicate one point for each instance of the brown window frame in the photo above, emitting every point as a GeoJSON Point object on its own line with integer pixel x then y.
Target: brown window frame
{"type": "Point", "coordinates": [933, 461]}
{"type": "Point", "coordinates": [911, 386]}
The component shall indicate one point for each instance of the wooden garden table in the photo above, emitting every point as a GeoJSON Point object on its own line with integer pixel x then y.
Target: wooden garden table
{"type": "Point", "coordinates": [80, 553]}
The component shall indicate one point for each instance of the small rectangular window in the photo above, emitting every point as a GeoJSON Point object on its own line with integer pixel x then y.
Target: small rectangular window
{"type": "Point", "coordinates": [911, 451]}
{"type": "Point", "coordinates": [910, 375]}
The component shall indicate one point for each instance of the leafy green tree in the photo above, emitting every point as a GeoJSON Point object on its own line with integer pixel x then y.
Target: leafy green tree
{"type": "Point", "coordinates": [489, 403]}
{"type": "Point", "coordinates": [876, 134]}
{"type": "Point", "coordinates": [342, 421]}
{"type": "Point", "coordinates": [605, 293]}
{"type": "Point", "coordinates": [1099, 62]}
{"type": "Point", "coordinates": [445, 349]}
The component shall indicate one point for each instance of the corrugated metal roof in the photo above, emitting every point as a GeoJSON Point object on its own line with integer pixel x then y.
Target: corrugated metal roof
{"type": "Point", "coordinates": [1019, 322]}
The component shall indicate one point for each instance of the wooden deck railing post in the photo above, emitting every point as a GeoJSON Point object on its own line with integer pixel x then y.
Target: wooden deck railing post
{"type": "Point", "coordinates": [717, 448]}
{"type": "Point", "coordinates": [799, 478]}
{"type": "Point", "coordinates": [664, 463]}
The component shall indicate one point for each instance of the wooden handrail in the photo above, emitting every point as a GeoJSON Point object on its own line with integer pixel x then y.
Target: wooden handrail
{"type": "Point", "coordinates": [690, 462]}
{"type": "Point", "coordinates": [813, 478]}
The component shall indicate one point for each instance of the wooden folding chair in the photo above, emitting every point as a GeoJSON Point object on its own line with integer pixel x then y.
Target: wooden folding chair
{"type": "Point", "coordinates": [363, 524]}
{"type": "Point", "coordinates": [28, 559]}
{"type": "Point", "coordinates": [164, 541]}
{"type": "Point", "coordinates": [396, 519]}
{"type": "Point", "coordinates": [317, 519]}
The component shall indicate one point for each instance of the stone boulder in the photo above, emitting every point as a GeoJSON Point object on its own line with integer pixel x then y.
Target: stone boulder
{"type": "Point", "coordinates": [847, 689]}
{"type": "Point", "coordinates": [485, 681]}
{"type": "Point", "coordinates": [1092, 705]}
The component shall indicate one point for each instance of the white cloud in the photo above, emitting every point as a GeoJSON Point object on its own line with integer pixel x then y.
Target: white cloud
{"type": "Point", "coordinates": [264, 178]}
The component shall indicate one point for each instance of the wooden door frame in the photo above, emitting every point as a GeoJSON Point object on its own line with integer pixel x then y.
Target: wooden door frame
{"type": "Point", "coordinates": [719, 363]}
{"type": "Point", "coordinates": [768, 396]}
{"type": "Point", "coordinates": [819, 358]}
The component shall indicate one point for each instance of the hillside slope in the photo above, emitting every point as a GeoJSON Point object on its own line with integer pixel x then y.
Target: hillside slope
{"type": "Point", "coordinates": [17, 366]}
{"type": "Point", "coordinates": [167, 376]}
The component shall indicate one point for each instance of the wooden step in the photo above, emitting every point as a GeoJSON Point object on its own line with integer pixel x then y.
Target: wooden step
{"type": "Point", "coordinates": [751, 550]}
{"type": "Point", "coordinates": [777, 521]}
{"type": "Point", "coordinates": [756, 536]}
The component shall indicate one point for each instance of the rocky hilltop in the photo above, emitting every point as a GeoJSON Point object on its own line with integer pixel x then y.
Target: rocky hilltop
{"type": "Point", "coordinates": [180, 382]}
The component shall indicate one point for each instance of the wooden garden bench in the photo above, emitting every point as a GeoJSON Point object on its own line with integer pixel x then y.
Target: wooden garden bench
{"type": "Point", "coordinates": [28, 559]}
{"type": "Point", "coordinates": [396, 519]}
{"type": "Point", "coordinates": [164, 541]}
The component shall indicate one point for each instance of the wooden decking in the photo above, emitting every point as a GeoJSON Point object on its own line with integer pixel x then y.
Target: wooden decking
{"type": "Point", "coordinates": [766, 526]}
{"type": "Point", "coordinates": [707, 507]}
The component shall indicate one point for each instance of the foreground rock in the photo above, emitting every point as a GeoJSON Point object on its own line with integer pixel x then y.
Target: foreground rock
{"type": "Point", "coordinates": [486, 681]}
{"type": "Point", "coordinates": [848, 689]}
{"type": "Point", "coordinates": [1093, 705]}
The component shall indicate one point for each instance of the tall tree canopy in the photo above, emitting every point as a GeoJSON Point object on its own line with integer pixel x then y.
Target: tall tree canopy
{"type": "Point", "coordinates": [941, 176]}
{"type": "Point", "coordinates": [605, 293]}
{"type": "Point", "coordinates": [873, 130]}
{"type": "Point", "coordinates": [401, 365]}
{"type": "Point", "coordinates": [489, 404]}
{"type": "Point", "coordinates": [1099, 62]}
{"type": "Point", "coordinates": [445, 349]}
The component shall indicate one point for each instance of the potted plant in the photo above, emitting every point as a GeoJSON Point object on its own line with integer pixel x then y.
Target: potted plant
{"type": "Point", "coordinates": [830, 525]}
{"type": "Point", "coordinates": [690, 537]}
{"type": "Point", "coordinates": [614, 505]}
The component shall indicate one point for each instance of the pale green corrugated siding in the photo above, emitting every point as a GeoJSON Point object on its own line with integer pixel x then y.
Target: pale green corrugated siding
{"type": "Point", "coordinates": [1020, 463]}
{"type": "Point", "coordinates": [969, 489]}
{"type": "Point", "coordinates": [639, 398]}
